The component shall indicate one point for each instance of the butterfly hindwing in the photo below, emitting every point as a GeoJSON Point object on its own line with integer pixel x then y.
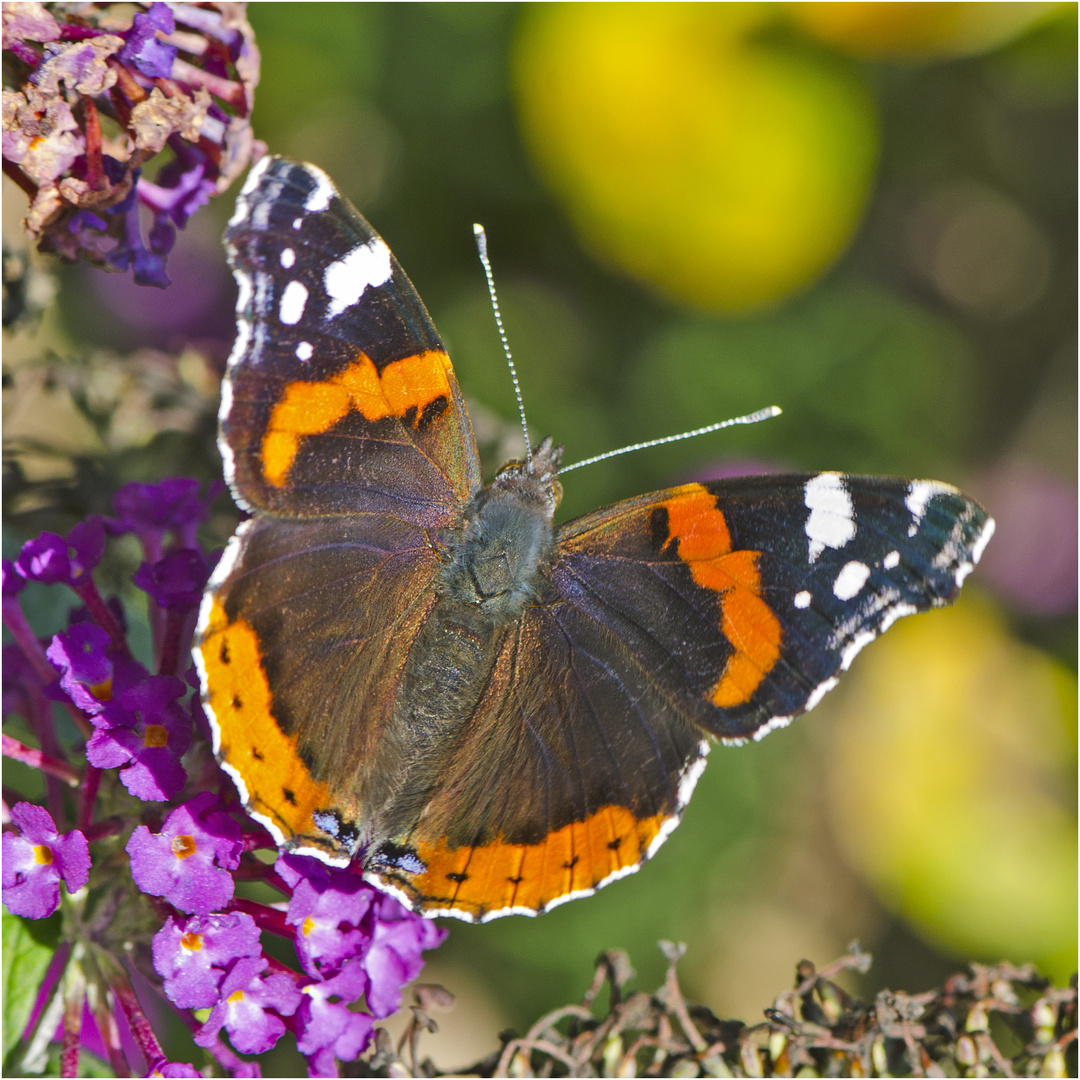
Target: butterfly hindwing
{"type": "Point", "coordinates": [571, 772]}
{"type": "Point", "coordinates": [339, 395]}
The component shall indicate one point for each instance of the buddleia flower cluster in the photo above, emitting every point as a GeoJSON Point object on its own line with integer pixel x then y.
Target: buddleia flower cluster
{"type": "Point", "coordinates": [139, 840]}
{"type": "Point", "coordinates": [95, 92]}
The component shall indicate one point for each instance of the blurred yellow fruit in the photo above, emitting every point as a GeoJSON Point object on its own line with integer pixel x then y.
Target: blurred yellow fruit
{"type": "Point", "coordinates": [916, 30]}
{"type": "Point", "coordinates": [721, 169]}
{"type": "Point", "coordinates": [952, 786]}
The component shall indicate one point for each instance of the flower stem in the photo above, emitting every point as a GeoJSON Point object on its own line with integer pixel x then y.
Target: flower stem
{"type": "Point", "coordinates": [87, 591]}
{"type": "Point", "coordinates": [18, 751]}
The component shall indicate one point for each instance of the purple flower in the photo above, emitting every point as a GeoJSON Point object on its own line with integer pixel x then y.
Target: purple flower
{"type": "Point", "coordinates": [152, 510]}
{"type": "Point", "coordinates": [192, 956]}
{"type": "Point", "coordinates": [173, 1068]}
{"type": "Point", "coordinates": [86, 669]}
{"type": "Point", "coordinates": [393, 960]}
{"type": "Point", "coordinates": [243, 1008]}
{"type": "Point", "coordinates": [146, 730]}
{"type": "Point", "coordinates": [147, 266]}
{"type": "Point", "coordinates": [142, 49]}
{"type": "Point", "coordinates": [35, 860]}
{"type": "Point", "coordinates": [182, 187]}
{"type": "Point", "coordinates": [175, 581]}
{"type": "Point", "coordinates": [189, 861]}
{"type": "Point", "coordinates": [51, 559]}
{"type": "Point", "coordinates": [329, 1029]}
{"type": "Point", "coordinates": [13, 581]}
{"type": "Point", "coordinates": [328, 910]}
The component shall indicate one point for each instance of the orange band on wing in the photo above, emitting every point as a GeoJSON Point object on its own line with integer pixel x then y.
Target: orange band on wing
{"type": "Point", "coordinates": [279, 786]}
{"type": "Point", "coordinates": [310, 408]}
{"type": "Point", "coordinates": [496, 876]}
{"type": "Point", "coordinates": [746, 620]}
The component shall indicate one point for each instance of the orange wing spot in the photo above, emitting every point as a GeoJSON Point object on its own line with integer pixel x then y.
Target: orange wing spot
{"type": "Point", "coordinates": [311, 408]}
{"type": "Point", "coordinates": [250, 740]}
{"type": "Point", "coordinates": [477, 880]}
{"type": "Point", "coordinates": [746, 620]}
{"type": "Point", "coordinates": [752, 628]}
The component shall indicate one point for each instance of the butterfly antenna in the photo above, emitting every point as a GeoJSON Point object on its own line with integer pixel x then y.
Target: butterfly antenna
{"type": "Point", "coordinates": [749, 418]}
{"type": "Point", "coordinates": [481, 247]}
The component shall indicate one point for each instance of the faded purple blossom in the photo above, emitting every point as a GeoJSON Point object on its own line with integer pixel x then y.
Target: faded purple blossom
{"type": "Point", "coordinates": [153, 510]}
{"type": "Point", "coordinates": [250, 1007]}
{"type": "Point", "coordinates": [176, 580]}
{"type": "Point", "coordinates": [37, 859]}
{"type": "Point", "coordinates": [1032, 561]}
{"type": "Point", "coordinates": [192, 956]}
{"type": "Point", "coordinates": [329, 1029]}
{"type": "Point", "coordinates": [142, 49]}
{"type": "Point", "coordinates": [52, 559]}
{"type": "Point", "coordinates": [146, 731]}
{"type": "Point", "coordinates": [86, 669]}
{"type": "Point", "coordinates": [78, 63]}
{"type": "Point", "coordinates": [189, 861]}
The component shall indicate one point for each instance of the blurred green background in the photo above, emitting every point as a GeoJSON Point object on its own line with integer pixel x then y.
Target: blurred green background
{"type": "Point", "coordinates": [863, 213]}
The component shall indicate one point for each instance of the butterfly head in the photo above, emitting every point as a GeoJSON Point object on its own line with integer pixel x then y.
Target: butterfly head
{"type": "Point", "coordinates": [535, 478]}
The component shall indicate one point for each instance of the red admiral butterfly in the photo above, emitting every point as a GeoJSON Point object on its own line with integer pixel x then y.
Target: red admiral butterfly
{"type": "Point", "coordinates": [408, 668]}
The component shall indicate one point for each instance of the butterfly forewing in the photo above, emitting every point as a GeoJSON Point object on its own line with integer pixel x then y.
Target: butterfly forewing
{"type": "Point", "coordinates": [340, 395]}
{"type": "Point", "coordinates": [747, 597]}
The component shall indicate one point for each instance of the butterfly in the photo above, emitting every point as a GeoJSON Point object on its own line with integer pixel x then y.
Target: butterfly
{"type": "Point", "coordinates": [409, 669]}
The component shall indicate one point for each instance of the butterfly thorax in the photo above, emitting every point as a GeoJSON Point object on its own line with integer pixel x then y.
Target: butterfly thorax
{"type": "Point", "coordinates": [491, 569]}
{"type": "Point", "coordinates": [493, 561]}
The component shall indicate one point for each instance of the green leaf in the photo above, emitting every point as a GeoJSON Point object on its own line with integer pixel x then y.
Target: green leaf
{"type": "Point", "coordinates": [29, 945]}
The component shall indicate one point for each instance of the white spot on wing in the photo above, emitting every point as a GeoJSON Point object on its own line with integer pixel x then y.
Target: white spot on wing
{"type": "Point", "coordinates": [802, 599]}
{"type": "Point", "coordinates": [297, 222]}
{"type": "Point", "coordinates": [244, 291]}
{"type": "Point", "coordinates": [288, 257]}
{"type": "Point", "coordinates": [982, 540]}
{"type": "Point", "coordinates": [689, 779]}
{"type": "Point", "coordinates": [774, 724]}
{"type": "Point", "coordinates": [239, 212]}
{"type": "Point", "coordinates": [920, 492]}
{"type": "Point", "coordinates": [832, 517]}
{"type": "Point", "coordinates": [254, 176]}
{"type": "Point", "coordinates": [855, 646]}
{"type": "Point", "coordinates": [891, 561]}
{"type": "Point", "coordinates": [293, 300]}
{"type": "Point", "coordinates": [366, 266]}
{"type": "Point", "coordinates": [319, 198]}
{"type": "Point", "coordinates": [304, 350]}
{"type": "Point", "coordinates": [850, 580]}
{"type": "Point", "coordinates": [819, 692]}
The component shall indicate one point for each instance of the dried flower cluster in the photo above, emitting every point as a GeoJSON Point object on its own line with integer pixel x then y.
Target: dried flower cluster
{"type": "Point", "coordinates": [990, 1021]}
{"type": "Point", "coordinates": [92, 92]}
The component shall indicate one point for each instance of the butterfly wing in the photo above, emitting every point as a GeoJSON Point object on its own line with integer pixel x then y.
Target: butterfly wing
{"type": "Point", "coordinates": [303, 636]}
{"type": "Point", "coordinates": [344, 433]}
{"type": "Point", "coordinates": [339, 395]}
{"type": "Point", "coordinates": [725, 609]}
{"type": "Point", "coordinates": [749, 597]}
